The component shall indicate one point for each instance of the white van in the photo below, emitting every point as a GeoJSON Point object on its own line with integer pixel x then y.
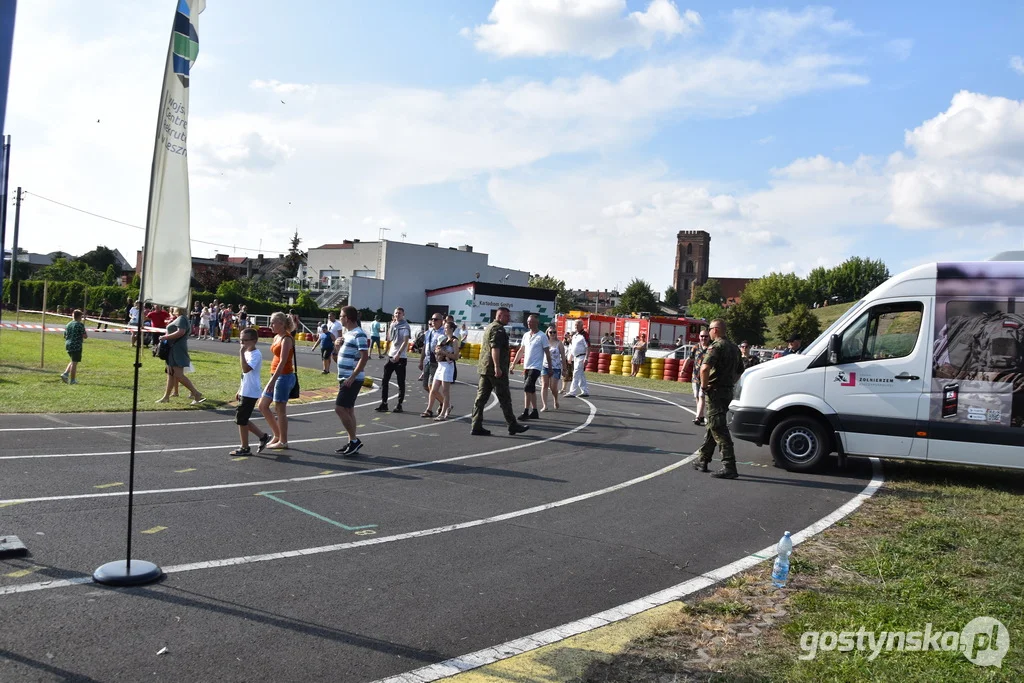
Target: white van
{"type": "Point", "coordinates": [928, 366]}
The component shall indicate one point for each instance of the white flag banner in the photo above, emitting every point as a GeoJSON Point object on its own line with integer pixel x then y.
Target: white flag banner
{"type": "Point", "coordinates": [167, 255]}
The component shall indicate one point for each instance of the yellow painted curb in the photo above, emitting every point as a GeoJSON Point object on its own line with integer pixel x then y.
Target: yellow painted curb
{"type": "Point", "coordinates": [568, 659]}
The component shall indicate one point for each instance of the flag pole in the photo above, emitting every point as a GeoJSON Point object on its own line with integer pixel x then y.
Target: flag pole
{"type": "Point", "coordinates": [140, 572]}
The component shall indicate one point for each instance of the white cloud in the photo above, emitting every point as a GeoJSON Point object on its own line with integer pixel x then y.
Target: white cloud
{"type": "Point", "coordinates": [386, 222]}
{"type": "Point", "coordinates": [279, 88]}
{"type": "Point", "coordinates": [967, 168]}
{"type": "Point", "coordinates": [595, 28]}
{"type": "Point", "coordinates": [248, 152]}
{"type": "Point", "coordinates": [768, 31]}
{"type": "Point", "coordinates": [900, 48]}
{"type": "Point", "coordinates": [1017, 64]}
{"type": "Point", "coordinates": [768, 139]}
{"type": "Point", "coordinates": [974, 127]}
{"type": "Point", "coordinates": [963, 177]}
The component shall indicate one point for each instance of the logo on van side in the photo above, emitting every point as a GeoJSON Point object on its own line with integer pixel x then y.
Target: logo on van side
{"type": "Point", "coordinates": [844, 382]}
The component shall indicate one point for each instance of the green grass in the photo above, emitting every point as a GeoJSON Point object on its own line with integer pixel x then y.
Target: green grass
{"type": "Point", "coordinates": [937, 544]}
{"type": "Point", "coordinates": [105, 377]}
{"type": "Point", "coordinates": [35, 319]}
{"type": "Point", "coordinates": [826, 316]}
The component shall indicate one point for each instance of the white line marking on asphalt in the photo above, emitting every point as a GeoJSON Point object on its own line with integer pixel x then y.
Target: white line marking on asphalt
{"type": "Point", "coordinates": [493, 402]}
{"type": "Point", "coordinates": [78, 428]}
{"type": "Point", "coordinates": [250, 559]}
{"type": "Point", "coordinates": [657, 398]}
{"type": "Point", "coordinates": [496, 653]}
{"type": "Point", "coordinates": [318, 477]}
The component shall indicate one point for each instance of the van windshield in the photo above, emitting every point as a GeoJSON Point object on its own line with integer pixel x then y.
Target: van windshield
{"type": "Point", "coordinates": [815, 346]}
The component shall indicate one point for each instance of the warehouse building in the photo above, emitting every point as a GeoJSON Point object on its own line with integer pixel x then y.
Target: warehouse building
{"type": "Point", "coordinates": [385, 274]}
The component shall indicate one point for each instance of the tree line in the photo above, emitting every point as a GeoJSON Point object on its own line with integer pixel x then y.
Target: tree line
{"type": "Point", "coordinates": [773, 294]}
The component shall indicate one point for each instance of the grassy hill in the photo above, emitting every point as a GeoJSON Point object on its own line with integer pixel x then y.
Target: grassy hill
{"type": "Point", "coordinates": [826, 316]}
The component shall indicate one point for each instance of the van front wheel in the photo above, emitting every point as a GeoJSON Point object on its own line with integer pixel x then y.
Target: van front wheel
{"type": "Point", "coordinates": [799, 443]}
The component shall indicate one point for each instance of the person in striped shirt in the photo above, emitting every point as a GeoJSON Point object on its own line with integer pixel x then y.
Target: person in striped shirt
{"type": "Point", "coordinates": [353, 352]}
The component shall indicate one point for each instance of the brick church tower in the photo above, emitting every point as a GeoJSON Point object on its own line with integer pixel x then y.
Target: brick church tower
{"type": "Point", "coordinates": [692, 249]}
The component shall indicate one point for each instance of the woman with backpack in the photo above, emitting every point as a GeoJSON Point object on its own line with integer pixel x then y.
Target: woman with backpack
{"type": "Point", "coordinates": [173, 348]}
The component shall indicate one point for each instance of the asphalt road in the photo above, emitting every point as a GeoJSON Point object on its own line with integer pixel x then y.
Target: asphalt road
{"type": "Point", "coordinates": [308, 566]}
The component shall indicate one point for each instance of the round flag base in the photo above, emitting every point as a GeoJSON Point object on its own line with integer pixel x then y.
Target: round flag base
{"type": "Point", "coordinates": [118, 573]}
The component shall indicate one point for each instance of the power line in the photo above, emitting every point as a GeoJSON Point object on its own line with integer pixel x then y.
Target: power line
{"type": "Point", "coordinates": [139, 227]}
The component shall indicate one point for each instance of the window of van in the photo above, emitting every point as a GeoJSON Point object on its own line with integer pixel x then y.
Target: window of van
{"type": "Point", "coordinates": [887, 331]}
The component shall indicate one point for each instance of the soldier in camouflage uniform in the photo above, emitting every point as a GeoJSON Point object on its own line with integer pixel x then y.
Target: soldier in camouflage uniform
{"type": "Point", "coordinates": [722, 366]}
{"type": "Point", "coordinates": [493, 370]}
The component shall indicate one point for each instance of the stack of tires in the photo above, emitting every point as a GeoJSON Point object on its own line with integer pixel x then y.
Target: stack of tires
{"type": "Point", "coordinates": [604, 361]}
{"type": "Point", "coordinates": [657, 368]}
{"type": "Point", "coordinates": [470, 351]}
{"type": "Point", "coordinates": [615, 364]}
{"type": "Point", "coordinates": [627, 365]}
{"type": "Point", "coordinates": [686, 370]}
{"type": "Point", "coordinates": [645, 369]}
{"type": "Point", "coordinates": [671, 373]}
{"type": "Point", "coordinates": [592, 360]}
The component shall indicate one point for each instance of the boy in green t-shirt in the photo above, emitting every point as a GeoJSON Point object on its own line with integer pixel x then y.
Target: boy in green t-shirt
{"type": "Point", "coordinates": [74, 335]}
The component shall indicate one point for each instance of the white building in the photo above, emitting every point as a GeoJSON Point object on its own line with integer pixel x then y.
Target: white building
{"type": "Point", "coordinates": [476, 303]}
{"type": "Point", "coordinates": [385, 274]}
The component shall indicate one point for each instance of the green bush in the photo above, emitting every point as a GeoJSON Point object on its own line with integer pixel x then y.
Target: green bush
{"type": "Point", "coordinates": [117, 296]}
{"type": "Point", "coordinates": [77, 294]}
{"type": "Point", "coordinates": [801, 322]}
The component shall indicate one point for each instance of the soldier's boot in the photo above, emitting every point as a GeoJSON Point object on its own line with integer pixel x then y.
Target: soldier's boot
{"type": "Point", "coordinates": [700, 464]}
{"type": "Point", "coordinates": [728, 471]}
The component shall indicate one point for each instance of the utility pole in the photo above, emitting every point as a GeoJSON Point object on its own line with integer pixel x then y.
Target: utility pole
{"type": "Point", "coordinates": [14, 247]}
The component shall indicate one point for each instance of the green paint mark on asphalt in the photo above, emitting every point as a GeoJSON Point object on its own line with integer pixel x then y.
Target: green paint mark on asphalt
{"type": "Point", "coordinates": [269, 494]}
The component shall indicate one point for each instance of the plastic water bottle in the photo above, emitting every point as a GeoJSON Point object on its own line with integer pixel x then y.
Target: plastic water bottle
{"type": "Point", "coordinates": [780, 572]}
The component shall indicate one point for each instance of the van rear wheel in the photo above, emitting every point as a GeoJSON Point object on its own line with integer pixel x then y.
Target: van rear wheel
{"type": "Point", "coordinates": [799, 443]}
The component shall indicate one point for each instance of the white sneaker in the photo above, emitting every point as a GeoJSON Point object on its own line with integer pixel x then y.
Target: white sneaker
{"type": "Point", "coordinates": [64, 377]}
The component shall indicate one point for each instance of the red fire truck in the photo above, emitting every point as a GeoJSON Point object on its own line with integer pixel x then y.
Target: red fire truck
{"type": "Point", "coordinates": [664, 330]}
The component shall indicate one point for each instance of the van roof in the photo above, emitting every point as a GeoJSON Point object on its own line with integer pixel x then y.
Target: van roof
{"type": "Point", "coordinates": [1008, 256]}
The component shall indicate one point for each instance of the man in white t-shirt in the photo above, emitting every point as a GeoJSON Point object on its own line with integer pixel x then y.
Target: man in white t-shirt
{"type": "Point", "coordinates": [249, 392]}
{"type": "Point", "coordinates": [579, 348]}
{"type": "Point", "coordinates": [398, 335]}
{"type": "Point", "coordinates": [535, 350]}
{"type": "Point", "coordinates": [336, 328]}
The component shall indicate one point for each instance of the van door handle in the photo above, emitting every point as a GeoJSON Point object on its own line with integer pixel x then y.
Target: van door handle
{"type": "Point", "coordinates": [906, 376]}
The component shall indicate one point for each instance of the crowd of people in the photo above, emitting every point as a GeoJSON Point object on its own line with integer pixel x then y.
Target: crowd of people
{"type": "Point", "coordinates": [547, 360]}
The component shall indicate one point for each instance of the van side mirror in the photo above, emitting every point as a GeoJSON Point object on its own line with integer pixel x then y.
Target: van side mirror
{"type": "Point", "coordinates": [834, 345]}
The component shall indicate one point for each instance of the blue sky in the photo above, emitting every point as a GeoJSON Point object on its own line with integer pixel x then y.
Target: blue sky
{"type": "Point", "coordinates": [572, 137]}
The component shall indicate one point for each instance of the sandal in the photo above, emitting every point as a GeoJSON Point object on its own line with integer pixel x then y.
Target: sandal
{"type": "Point", "coordinates": [427, 413]}
{"type": "Point", "coordinates": [440, 418]}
